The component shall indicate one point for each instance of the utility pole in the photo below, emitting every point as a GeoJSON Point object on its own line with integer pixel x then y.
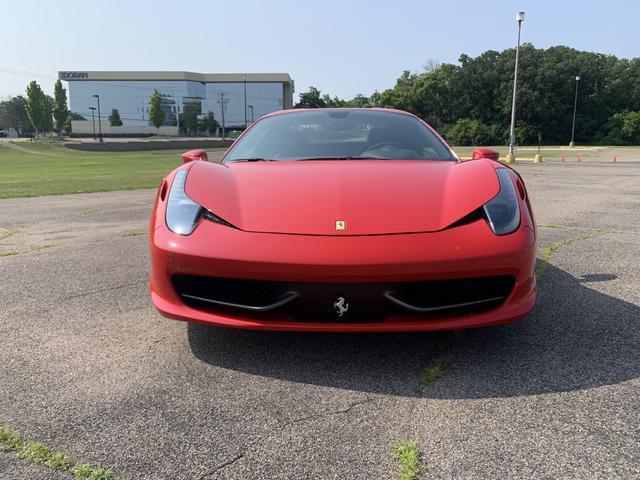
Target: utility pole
{"type": "Point", "coordinates": [222, 102]}
{"type": "Point", "coordinates": [251, 107]}
{"type": "Point", "coordinates": [575, 107]}
{"type": "Point", "coordinates": [93, 119]}
{"type": "Point", "coordinates": [512, 133]}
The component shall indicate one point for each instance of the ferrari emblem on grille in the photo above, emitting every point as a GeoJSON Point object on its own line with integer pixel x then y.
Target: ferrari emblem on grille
{"type": "Point", "coordinates": [340, 225]}
{"type": "Point", "coordinates": [341, 306]}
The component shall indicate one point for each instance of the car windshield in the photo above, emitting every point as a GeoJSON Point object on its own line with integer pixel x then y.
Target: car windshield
{"type": "Point", "coordinates": [343, 134]}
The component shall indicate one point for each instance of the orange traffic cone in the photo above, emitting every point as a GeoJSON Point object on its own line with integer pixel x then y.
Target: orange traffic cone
{"type": "Point", "coordinates": [563, 158]}
{"type": "Point", "coordinates": [615, 159]}
{"type": "Point", "coordinates": [579, 159]}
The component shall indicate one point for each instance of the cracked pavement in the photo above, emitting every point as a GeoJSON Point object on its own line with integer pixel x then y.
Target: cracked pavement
{"type": "Point", "coordinates": [90, 369]}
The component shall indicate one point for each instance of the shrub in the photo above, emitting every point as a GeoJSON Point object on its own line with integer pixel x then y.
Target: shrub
{"type": "Point", "coordinates": [468, 132]}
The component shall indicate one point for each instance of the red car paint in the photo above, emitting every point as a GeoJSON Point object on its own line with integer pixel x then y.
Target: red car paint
{"type": "Point", "coordinates": [484, 153]}
{"type": "Point", "coordinates": [397, 214]}
{"type": "Point", "coordinates": [193, 155]}
{"type": "Point", "coordinates": [373, 196]}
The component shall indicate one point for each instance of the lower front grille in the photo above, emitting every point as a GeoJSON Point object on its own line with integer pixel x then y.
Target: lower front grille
{"type": "Point", "coordinates": [343, 302]}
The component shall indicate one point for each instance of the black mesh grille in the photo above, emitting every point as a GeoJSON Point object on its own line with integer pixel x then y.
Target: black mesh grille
{"type": "Point", "coordinates": [367, 302]}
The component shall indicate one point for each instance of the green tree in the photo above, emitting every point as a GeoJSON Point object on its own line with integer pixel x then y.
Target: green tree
{"type": "Point", "coordinates": [48, 118]}
{"type": "Point", "coordinates": [60, 110]}
{"type": "Point", "coordinates": [38, 108]}
{"type": "Point", "coordinates": [479, 88]}
{"type": "Point", "coordinates": [453, 97]}
{"type": "Point", "coordinates": [156, 112]}
{"type": "Point", "coordinates": [114, 118]}
{"type": "Point", "coordinates": [189, 117]}
{"type": "Point", "coordinates": [623, 128]}
{"type": "Point", "coordinates": [359, 101]}
{"type": "Point", "coordinates": [311, 99]}
{"type": "Point", "coordinates": [334, 102]}
{"type": "Point", "coordinates": [375, 99]}
{"type": "Point", "coordinates": [631, 126]}
{"type": "Point", "coordinates": [210, 123]}
{"type": "Point", "coordinates": [66, 129]}
{"type": "Point", "coordinates": [13, 114]}
{"type": "Point", "coordinates": [468, 132]}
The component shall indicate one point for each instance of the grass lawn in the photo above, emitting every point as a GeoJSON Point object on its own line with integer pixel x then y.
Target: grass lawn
{"type": "Point", "coordinates": [57, 170]}
{"type": "Point", "coordinates": [557, 152]}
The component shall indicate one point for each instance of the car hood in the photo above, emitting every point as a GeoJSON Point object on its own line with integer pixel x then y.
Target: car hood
{"type": "Point", "coordinates": [371, 197]}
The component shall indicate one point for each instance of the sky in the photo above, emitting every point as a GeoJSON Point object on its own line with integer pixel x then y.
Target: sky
{"type": "Point", "coordinates": [342, 47]}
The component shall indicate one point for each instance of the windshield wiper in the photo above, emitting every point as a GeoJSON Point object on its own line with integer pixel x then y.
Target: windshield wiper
{"type": "Point", "coordinates": [252, 159]}
{"type": "Point", "coordinates": [350, 157]}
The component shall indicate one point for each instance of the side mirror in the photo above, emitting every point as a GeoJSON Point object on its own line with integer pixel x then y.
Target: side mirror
{"type": "Point", "coordinates": [485, 153]}
{"type": "Point", "coordinates": [193, 155]}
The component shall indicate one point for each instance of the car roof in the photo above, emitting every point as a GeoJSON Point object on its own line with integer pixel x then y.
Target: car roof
{"type": "Point", "coordinates": [375, 109]}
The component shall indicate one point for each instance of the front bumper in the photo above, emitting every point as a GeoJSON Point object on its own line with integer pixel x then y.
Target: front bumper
{"type": "Point", "coordinates": [467, 251]}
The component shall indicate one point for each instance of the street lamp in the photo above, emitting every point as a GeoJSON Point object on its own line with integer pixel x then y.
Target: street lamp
{"type": "Point", "coordinates": [575, 107]}
{"type": "Point", "coordinates": [512, 134]}
{"type": "Point", "coordinates": [93, 119]}
{"type": "Point", "coordinates": [99, 118]}
{"type": "Point", "coordinates": [251, 107]}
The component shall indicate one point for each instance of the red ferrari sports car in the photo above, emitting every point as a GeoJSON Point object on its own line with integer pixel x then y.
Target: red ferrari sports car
{"type": "Point", "coordinates": [343, 220]}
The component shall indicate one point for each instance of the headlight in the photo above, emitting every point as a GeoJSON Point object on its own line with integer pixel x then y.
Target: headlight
{"type": "Point", "coordinates": [183, 214]}
{"type": "Point", "coordinates": [503, 211]}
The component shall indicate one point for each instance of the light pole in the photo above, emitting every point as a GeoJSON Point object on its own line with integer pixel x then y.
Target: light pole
{"type": "Point", "coordinates": [575, 107]}
{"type": "Point", "coordinates": [93, 119]}
{"type": "Point", "coordinates": [99, 118]}
{"type": "Point", "coordinates": [251, 107]}
{"type": "Point", "coordinates": [245, 100]}
{"type": "Point", "coordinates": [512, 133]}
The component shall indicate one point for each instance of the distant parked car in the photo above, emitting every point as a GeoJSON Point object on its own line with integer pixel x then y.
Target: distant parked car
{"type": "Point", "coordinates": [4, 133]}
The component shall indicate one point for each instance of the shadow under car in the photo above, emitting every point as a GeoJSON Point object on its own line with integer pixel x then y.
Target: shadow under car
{"type": "Point", "coordinates": [575, 338]}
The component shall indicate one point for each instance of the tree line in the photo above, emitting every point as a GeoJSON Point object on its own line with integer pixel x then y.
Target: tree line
{"type": "Point", "coordinates": [38, 113]}
{"type": "Point", "coordinates": [470, 102]}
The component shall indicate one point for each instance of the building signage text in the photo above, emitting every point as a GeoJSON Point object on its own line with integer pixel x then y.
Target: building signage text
{"type": "Point", "coordinates": [74, 75]}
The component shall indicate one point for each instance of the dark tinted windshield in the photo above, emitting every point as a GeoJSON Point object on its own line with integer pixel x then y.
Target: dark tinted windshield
{"type": "Point", "coordinates": [339, 133]}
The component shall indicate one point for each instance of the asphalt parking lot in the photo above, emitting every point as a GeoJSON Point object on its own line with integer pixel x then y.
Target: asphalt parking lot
{"type": "Point", "coordinates": [90, 369]}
